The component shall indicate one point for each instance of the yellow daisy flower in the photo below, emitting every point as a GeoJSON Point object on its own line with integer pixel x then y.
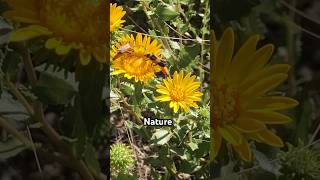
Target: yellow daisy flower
{"type": "Point", "coordinates": [180, 90]}
{"type": "Point", "coordinates": [66, 25]}
{"type": "Point", "coordinates": [242, 107]}
{"type": "Point", "coordinates": [116, 15]}
{"type": "Point", "coordinates": [133, 61]}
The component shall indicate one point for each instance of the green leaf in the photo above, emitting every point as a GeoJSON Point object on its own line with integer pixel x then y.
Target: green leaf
{"type": "Point", "coordinates": [92, 79]}
{"type": "Point", "coordinates": [12, 108]}
{"type": "Point", "coordinates": [10, 64]}
{"type": "Point", "coordinates": [91, 159]}
{"type": "Point", "coordinates": [11, 148]}
{"type": "Point", "coordinates": [166, 13]}
{"type": "Point", "coordinates": [161, 136]}
{"type": "Point", "coordinates": [73, 126]}
{"type": "Point", "coordinates": [188, 54]}
{"type": "Point", "coordinates": [193, 146]}
{"type": "Point", "coordinates": [53, 90]}
{"type": "Point", "coordinates": [304, 115]}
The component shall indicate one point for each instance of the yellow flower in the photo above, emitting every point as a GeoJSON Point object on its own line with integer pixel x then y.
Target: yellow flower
{"type": "Point", "coordinates": [66, 24]}
{"type": "Point", "coordinates": [242, 107]}
{"type": "Point", "coordinates": [116, 15]}
{"type": "Point", "coordinates": [180, 90]}
{"type": "Point", "coordinates": [133, 62]}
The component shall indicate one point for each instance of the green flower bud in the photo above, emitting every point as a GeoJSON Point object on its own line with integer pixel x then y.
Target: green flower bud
{"type": "Point", "coordinates": [121, 158]}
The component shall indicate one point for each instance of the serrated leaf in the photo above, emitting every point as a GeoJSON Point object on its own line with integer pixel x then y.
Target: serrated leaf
{"type": "Point", "coordinates": [53, 90]}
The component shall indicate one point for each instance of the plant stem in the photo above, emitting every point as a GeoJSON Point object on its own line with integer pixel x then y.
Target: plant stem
{"type": "Point", "coordinates": [155, 23]}
{"type": "Point", "coordinates": [19, 96]}
{"type": "Point", "coordinates": [46, 127]}
{"type": "Point", "coordinates": [8, 127]}
{"type": "Point", "coordinates": [291, 46]}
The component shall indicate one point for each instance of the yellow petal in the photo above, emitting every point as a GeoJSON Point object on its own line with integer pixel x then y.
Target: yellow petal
{"type": "Point", "coordinates": [273, 103]}
{"type": "Point", "coordinates": [268, 117]}
{"type": "Point", "coordinates": [256, 62]}
{"type": "Point", "coordinates": [262, 56]}
{"type": "Point", "coordinates": [25, 16]}
{"type": "Point", "coordinates": [163, 91]}
{"type": "Point", "coordinates": [263, 86]}
{"type": "Point", "coordinates": [175, 107]}
{"type": "Point", "coordinates": [241, 60]}
{"type": "Point", "coordinates": [248, 125]}
{"type": "Point", "coordinates": [85, 57]}
{"type": "Point", "coordinates": [224, 53]}
{"type": "Point", "coordinates": [163, 98]}
{"type": "Point", "coordinates": [213, 52]}
{"type": "Point", "coordinates": [52, 43]}
{"type": "Point", "coordinates": [100, 55]}
{"type": "Point", "coordinates": [216, 140]}
{"type": "Point", "coordinates": [63, 49]}
{"type": "Point", "coordinates": [270, 138]}
{"type": "Point", "coordinates": [266, 72]}
{"type": "Point", "coordinates": [230, 134]}
{"type": "Point", "coordinates": [243, 150]}
{"type": "Point", "coordinates": [29, 32]}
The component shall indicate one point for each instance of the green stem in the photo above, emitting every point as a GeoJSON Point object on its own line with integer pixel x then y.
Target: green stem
{"type": "Point", "coordinates": [156, 24]}
{"type": "Point", "coordinates": [203, 46]}
{"type": "Point", "coordinates": [8, 127]}
{"type": "Point", "coordinates": [291, 46]}
{"type": "Point", "coordinates": [19, 96]}
{"type": "Point", "coordinates": [46, 127]}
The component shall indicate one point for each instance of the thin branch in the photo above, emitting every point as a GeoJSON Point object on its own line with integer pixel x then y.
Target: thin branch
{"type": "Point", "coordinates": [19, 96]}
{"type": "Point", "coordinates": [315, 133]}
{"type": "Point", "coordinates": [168, 37]}
{"type": "Point", "coordinates": [46, 127]}
{"type": "Point", "coordinates": [35, 152]}
{"type": "Point", "coordinates": [8, 127]}
{"type": "Point", "coordinates": [297, 11]}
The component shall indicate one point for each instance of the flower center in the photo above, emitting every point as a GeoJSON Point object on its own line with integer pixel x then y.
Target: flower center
{"type": "Point", "coordinates": [76, 21]}
{"type": "Point", "coordinates": [225, 107]}
{"type": "Point", "coordinates": [177, 94]}
{"type": "Point", "coordinates": [137, 65]}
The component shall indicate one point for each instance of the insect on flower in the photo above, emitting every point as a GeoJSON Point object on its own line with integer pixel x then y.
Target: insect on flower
{"type": "Point", "coordinates": [127, 48]}
{"type": "Point", "coordinates": [160, 63]}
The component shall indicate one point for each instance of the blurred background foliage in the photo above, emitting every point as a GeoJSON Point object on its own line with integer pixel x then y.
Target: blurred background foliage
{"type": "Point", "coordinates": [294, 28]}
{"type": "Point", "coordinates": [55, 109]}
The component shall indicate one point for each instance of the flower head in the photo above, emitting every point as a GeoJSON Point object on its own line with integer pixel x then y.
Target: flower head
{"type": "Point", "coordinates": [242, 109]}
{"type": "Point", "coordinates": [181, 91]}
{"type": "Point", "coordinates": [121, 158]}
{"type": "Point", "coordinates": [300, 162]}
{"type": "Point", "coordinates": [116, 15]}
{"type": "Point", "coordinates": [133, 62]}
{"type": "Point", "coordinates": [66, 25]}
